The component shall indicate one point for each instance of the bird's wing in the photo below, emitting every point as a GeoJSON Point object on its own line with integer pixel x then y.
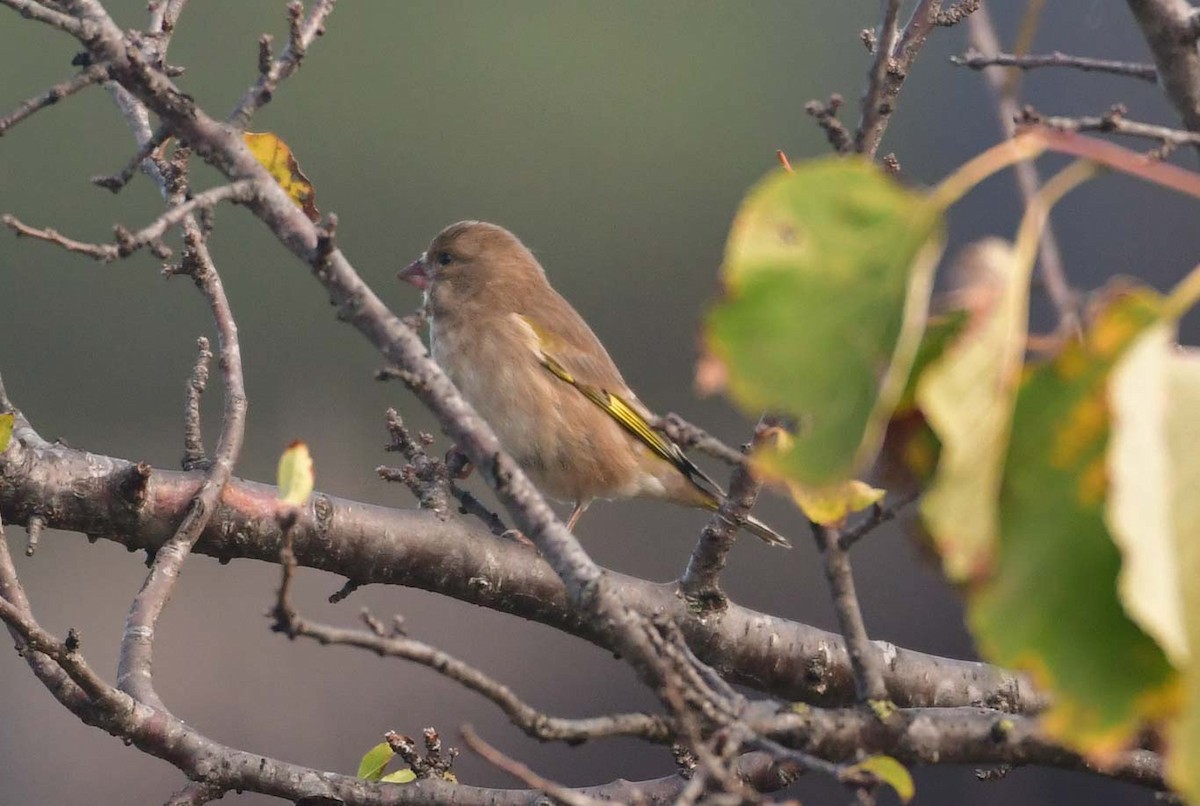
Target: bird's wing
{"type": "Point", "coordinates": [575, 356]}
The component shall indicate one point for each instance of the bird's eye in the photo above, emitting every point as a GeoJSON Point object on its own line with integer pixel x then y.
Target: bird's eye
{"type": "Point", "coordinates": [443, 258]}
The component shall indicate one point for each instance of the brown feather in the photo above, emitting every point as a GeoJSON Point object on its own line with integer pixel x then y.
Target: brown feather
{"type": "Point", "coordinates": [496, 326]}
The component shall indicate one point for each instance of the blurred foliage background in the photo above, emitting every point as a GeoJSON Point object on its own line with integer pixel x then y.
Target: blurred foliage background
{"type": "Point", "coordinates": [616, 139]}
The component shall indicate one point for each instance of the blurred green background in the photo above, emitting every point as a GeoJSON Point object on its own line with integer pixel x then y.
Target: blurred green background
{"type": "Point", "coordinates": [616, 138]}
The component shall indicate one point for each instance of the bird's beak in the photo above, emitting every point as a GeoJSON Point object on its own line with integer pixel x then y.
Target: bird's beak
{"type": "Point", "coordinates": [416, 273]}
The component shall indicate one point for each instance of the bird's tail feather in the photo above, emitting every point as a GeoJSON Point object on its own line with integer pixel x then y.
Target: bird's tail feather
{"type": "Point", "coordinates": [748, 522]}
{"type": "Point", "coordinates": [763, 532]}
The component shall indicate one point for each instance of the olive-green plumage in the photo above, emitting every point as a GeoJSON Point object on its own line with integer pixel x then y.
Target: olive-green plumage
{"type": "Point", "coordinates": [527, 362]}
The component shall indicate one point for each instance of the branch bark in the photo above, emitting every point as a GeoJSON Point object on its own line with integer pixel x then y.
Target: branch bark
{"type": "Point", "coordinates": [82, 492]}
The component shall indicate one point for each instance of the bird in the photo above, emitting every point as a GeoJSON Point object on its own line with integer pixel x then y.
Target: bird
{"type": "Point", "coordinates": [525, 359]}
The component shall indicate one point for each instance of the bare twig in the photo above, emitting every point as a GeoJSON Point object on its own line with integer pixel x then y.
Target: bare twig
{"type": "Point", "coordinates": [194, 456]}
{"type": "Point", "coordinates": [958, 12]}
{"type": "Point", "coordinates": [302, 33]}
{"type": "Point", "coordinates": [689, 436]}
{"type": "Point", "coordinates": [129, 242]}
{"type": "Point", "coordinates": [34, 531]}
{"type": "Point", "coordinates": [395, 645]}
{"type": "Point", "coordinates": [1111, 122]}
{"type": "Point", "coordinates": [135, 662]}
{"type": "Point", "coordinates": [982, 36]}
{"type": "Point", "coordinates": [194, 794]}
{"type": "Point", "coordinates": [85, 78]}
{"type": "Point", "coordinates": [895, 54]}
{"type": "Point", "coordinates": [865, 658]}
{"type": "Point", "coordinates": [700, 582]}
{"type": "Point", "coordinates": [522, 773]}
{"type": "Point", "coordinates": [978, 60]}
{"type": "Point", "coordinates": [115, 182]}
{"type": "Point", "coordinates": [879, 515]}
{"type": "Point", "coordinates": [876, 105]}
{"type": "Point", "coordinates": [826, 115]}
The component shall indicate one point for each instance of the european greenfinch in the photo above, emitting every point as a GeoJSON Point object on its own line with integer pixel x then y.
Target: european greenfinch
{"type": "Point", "coordinates": [529, 364]}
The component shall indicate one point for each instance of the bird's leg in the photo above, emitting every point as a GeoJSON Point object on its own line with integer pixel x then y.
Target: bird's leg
{"type": "Point", "coordinates": [457, 463]}
{"type": "Point", "coordinates": [576, 514]}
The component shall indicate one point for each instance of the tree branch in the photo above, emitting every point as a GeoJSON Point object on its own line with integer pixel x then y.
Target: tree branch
{"type": "Point", "coordinates": [982, 35]}
{"type": "Point", "coordinates": [978, 60]}
{"type": "Point", "coordinates": [1168, 27]}
{"type": "Point", "coordinates": [376, 545]}
{"type": "Point", "coordinates": [64, 89]}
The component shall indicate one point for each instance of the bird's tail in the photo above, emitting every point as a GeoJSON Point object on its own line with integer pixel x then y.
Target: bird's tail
{"type": "Point", "coordinates": [748, 522]}
{"type": "Point", "coordinates": [763, 532]}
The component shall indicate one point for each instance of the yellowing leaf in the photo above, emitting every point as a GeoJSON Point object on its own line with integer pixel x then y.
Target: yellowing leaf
{"type": "Point", "coordinates": [826, 274]}
{"type": "Point", "coordinates": [6, 429]}
{"type": "Point", "coordinates": [375, 762]}
{"type": "Point", "coordinates": [274, 155]}
{"type": "Point", "coordinates": [402, 777]}
{"type": "Point", "coordinates": [967, 397]}
{"type": "Point", "coordinates": [830, 506]}
{"type": "Point", "coordinates": [889, 771]}
{"type": "Point", "coordinates": [295, 476]}
{"type": "Point", "coordinates": [1050, 605]}
{"type": "Point", "coordinates": [1183, 428]}
{"type": "Point", "coordinates": [1139, 511]}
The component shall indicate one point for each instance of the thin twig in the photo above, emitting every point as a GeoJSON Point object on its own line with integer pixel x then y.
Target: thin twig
{"type": "Point", "coordinates": [982, 35]}
{"type": "Point", "coordinates": [64, 89]}
{"type": "Point", "coordinates": [129, 242]}
{"type": "Point", "coordinates": [1111, 122]}
{"type": "Point", "coordinates": [302, 33]}
{"type": "Point", "coordinates": [115, 182]}
{"type": "Point", "coordinates": [875, 107]}
{"type": "Point", "coordinates": [689, 436]}
{"type": "Point", "coordinates": [977, 60]}
{"type": "Point", "coordinates": [194, 793]}
{"type": "Point", "coordinates": [136, 657]}
{"type": "Point", "coordinates": [895, 54]}
{"type": "Point", "coordinates": [700, 582]}
{"type": "Point", "coordinates": [865, 658]}
{"type": "Point", "coordinates": [826, 115]}
{"type": "Point", "coordinates": [194, 456]}
{"type": "Point", "coordinates": [396, 645]}
{"type": "Point", "coordinates": [522, 773]}
{"type": "Point", "coordinates": [879, 515]}
{"type": "Point", "coordinates": [34, 531]}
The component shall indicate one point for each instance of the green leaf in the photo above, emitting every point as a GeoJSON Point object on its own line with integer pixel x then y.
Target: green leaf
{"type": "Point", "coordinates": [1051, 605]}
{"type": "Point", "coordinates": [889, 771]}
{"type": "Point", "coordinates": [375, 762]}
{"type": "Point", "coordinates": [6, 429]}
{"type": "Point", "coordinates": [295, 475]}
{"type": "Point", "coordinates": [826, 274]}
{"type": "Point", "coordinates": [399, 777]}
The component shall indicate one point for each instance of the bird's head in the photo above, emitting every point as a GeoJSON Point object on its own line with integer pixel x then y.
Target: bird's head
{"type": "Point", "coordinates": [473, 261]}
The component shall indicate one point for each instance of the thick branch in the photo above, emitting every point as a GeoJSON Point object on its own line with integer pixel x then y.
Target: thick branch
{"type": "Point", "coordinates": [83, 492]}
{"type": "Point", "coordinates": [947, 736]}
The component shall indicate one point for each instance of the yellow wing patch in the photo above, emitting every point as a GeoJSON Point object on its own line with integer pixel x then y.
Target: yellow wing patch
{"type": "Point", "coordinates": [626, 416]}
